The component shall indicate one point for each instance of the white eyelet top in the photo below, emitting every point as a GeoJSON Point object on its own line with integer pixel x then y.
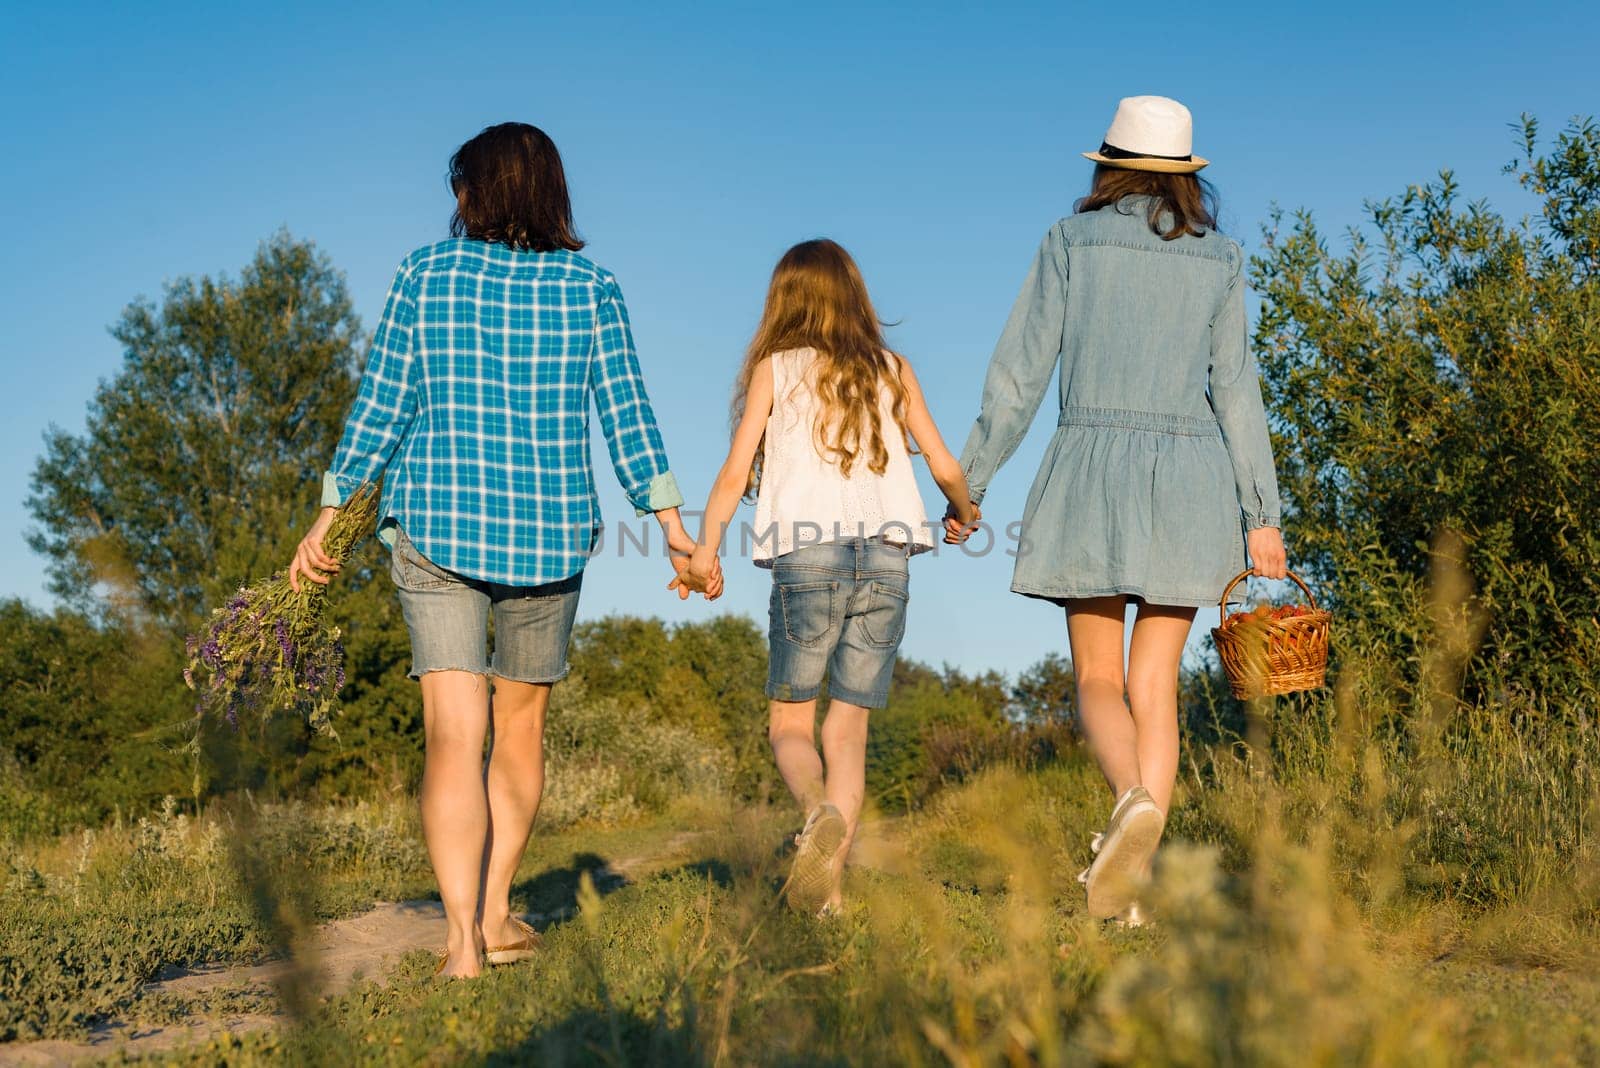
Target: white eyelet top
{"type": "Point", "coordinates": [805, 500]}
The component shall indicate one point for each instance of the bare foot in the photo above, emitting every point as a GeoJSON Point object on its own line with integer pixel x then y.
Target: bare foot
{"type": "Point", "coordinates": [463, 958]}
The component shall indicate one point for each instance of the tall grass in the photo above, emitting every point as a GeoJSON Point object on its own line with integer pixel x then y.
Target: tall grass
{"type": "Point", "coordinates": [92, 918]}
{"type": "Point", "coordinates": [1380, 875]}
{"type": "Point", "coordinates": [966, 944]}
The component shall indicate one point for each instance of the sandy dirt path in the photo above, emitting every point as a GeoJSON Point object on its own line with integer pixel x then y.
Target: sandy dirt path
{"type": "Point", "coordinates": [343, 951]}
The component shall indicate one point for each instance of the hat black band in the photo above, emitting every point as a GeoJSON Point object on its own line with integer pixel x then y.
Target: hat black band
{"type": "Point", "coordinates": [1110, 151]}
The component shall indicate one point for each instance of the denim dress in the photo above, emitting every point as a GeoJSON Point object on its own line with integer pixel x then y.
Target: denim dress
{"type": "Point", "coordinates": [1161, 458]}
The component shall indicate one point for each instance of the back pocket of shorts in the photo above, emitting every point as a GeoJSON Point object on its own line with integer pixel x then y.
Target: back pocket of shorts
{"type": "Point", "coordinates": [807, 610]}
{"type": "Point", "coordinates": [884, 621]}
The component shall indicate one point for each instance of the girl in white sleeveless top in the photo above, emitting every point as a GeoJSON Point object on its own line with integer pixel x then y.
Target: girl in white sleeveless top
{"type": "Point", "coordinates": [825, 418]}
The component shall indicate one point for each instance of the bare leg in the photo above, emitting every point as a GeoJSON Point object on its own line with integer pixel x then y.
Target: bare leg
{"type": "Point", "coordinates": [455, 812]}
{"type": "Point", "coordinates": [1095, 628]}
{"type": "Point", "coordinates": [1154, 656]}
{"type": "Point", "coordinates": [844, 750]}
{"type": "Point", "coordinates": [791, 728]}
{"type": "Point", "coordinates": [515, 783]}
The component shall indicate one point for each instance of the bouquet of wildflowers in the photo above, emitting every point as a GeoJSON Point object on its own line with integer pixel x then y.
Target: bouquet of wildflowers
{"type": "Point", "coordinates": [269, 650]}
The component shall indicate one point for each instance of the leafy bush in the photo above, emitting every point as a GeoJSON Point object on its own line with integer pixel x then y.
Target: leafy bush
{"type": "Point", "coordinates": [607, 760]}
{"type": "Point", "coordinates": [1444, 374]}
{"type": "Point", "coordinates": [1436, 389]}
{"type": "Point", "coordinates": [956, 753]}
{"type": "Point", "coordinates": [83, 731]}
{"type": "Point", "coordinates": [923, 703]}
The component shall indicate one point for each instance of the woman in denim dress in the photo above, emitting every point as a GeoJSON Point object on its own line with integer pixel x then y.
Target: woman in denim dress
{"type": "Point", "coordinates": [474, 410]}
{"type": "Point", "coordinates": [1160, 474]}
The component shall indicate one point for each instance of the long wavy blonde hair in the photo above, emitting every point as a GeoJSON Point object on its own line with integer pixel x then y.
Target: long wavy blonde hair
{"type": "Point", "coordinates": [817, 299]}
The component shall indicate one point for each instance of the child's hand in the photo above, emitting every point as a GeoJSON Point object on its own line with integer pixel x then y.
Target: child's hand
{"type": "Point", "coordinates": [698, 571]}
{"type": "Point", "coordinates": [705, 573]}
{"type": "Point", "coordinates": [957, 530]}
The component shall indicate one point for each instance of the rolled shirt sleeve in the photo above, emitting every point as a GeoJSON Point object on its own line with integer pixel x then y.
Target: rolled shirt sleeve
{"type": "Point", "coordinates": [1020, 369]}
{"type": "Point", "coordinates": [1235, 392]}
{"type": "Point", "coordinates": [626, 418]}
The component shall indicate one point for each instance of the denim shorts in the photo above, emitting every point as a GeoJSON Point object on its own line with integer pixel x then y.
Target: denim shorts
{"type": "Point", "coordinates": [448, 616]}
{"type": "Point", "coordinates": [837, 609]}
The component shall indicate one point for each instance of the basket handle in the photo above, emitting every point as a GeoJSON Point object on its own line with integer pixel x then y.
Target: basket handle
{"type": "Point", "coordinates": [1222, 604]}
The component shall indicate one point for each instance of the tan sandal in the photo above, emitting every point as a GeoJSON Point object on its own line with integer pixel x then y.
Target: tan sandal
{"type": "Point", "coordinates": [525, 948]}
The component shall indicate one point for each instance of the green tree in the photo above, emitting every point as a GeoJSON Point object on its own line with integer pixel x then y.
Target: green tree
{"type": "Point", "coordinates": [1443, 374]}
{"type": "Point", "coordinates": [196, 468]}
{"type": "Point", "coordinates": [197, 471]}
{"type": "Point", "coordinates": [1046, 693]}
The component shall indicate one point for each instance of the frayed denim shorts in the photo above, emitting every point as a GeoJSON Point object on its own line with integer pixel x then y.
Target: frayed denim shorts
{"type": "Point", "coordinates": [838, 609]}
{"type": "Point", "coordinates": [448, 616]}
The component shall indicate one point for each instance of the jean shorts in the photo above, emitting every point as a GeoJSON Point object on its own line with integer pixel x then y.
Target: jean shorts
{"type": "Point", "coordinates": [837, 609]}
{"type": "Point", "coordinates": [448, 616]}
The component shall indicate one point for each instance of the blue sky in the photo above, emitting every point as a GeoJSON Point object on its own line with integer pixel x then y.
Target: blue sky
{"type": "Point", "coordinates": [936, 141]}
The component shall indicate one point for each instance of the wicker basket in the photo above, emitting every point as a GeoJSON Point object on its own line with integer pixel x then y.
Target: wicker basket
{"type": "Point", "coordinates": [1265, 656]}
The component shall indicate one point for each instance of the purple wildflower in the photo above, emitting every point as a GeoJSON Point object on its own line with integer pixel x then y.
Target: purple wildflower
{"type": "Point", "coordinates": [268, 650]}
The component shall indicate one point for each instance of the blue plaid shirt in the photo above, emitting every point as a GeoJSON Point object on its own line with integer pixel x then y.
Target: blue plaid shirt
{"type": "Point", "coordinates": [475, 408]}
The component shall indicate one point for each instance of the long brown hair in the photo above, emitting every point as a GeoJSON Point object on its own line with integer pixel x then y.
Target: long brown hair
{"type": "Point", "coordinates": [1186, 202]}
{"type": "Point", "coordinates": [511, 189]}
{"type": "Point", "coordinates": [817, 299]}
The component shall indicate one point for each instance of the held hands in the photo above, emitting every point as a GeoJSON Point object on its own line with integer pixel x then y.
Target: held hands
{"type": "Point", "coordinates": [310, 562]}
{"type": "Point", "coordinates": [1267, 556]}
{"type": "Point", "coordinates": [698, 569]}
{"type": "Point", "coordinates": [698, 572]}
{"type": "Point", "coordinates": [957, 529]}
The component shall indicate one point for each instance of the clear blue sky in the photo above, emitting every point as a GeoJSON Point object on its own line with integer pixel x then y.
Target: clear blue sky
{"type": "Point", "coordinates": [936, 141]}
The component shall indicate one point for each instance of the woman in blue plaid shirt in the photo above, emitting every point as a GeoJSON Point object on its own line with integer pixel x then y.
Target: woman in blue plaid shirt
{"type": "Point", "coordinates": [474, 409]}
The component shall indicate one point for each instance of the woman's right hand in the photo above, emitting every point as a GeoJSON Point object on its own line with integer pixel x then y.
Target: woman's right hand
{"type": "Point", "coordinates": [1267, 556]}
{"type": "Point", "coordinates": [309, 560]}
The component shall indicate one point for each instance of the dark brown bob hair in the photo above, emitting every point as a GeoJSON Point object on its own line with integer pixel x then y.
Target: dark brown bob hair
{"type": "Point", "coordinates": [511, 189]}
{"type": "Point", "coordinates": [1179, 203]}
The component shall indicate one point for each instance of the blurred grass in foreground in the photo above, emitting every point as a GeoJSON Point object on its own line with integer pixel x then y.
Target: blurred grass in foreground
{"type": "Point", "coordinates": [1352, 881]}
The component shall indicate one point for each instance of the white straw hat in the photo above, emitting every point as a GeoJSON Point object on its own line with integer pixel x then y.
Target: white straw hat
{"type": "Point", "coordinates": [1150, 133]}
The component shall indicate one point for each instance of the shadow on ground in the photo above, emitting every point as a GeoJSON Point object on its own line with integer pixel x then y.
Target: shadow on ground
{"type": "Point", "coordinates": [552, 896]}
{"type": "Point", "coordinates": [590, 1037]}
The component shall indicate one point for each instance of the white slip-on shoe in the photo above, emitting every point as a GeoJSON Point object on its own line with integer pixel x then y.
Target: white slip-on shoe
{"type": "Point", "coordinates": [810, 881]}
{"type": "Point", "coordinates": [1125, 851]}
